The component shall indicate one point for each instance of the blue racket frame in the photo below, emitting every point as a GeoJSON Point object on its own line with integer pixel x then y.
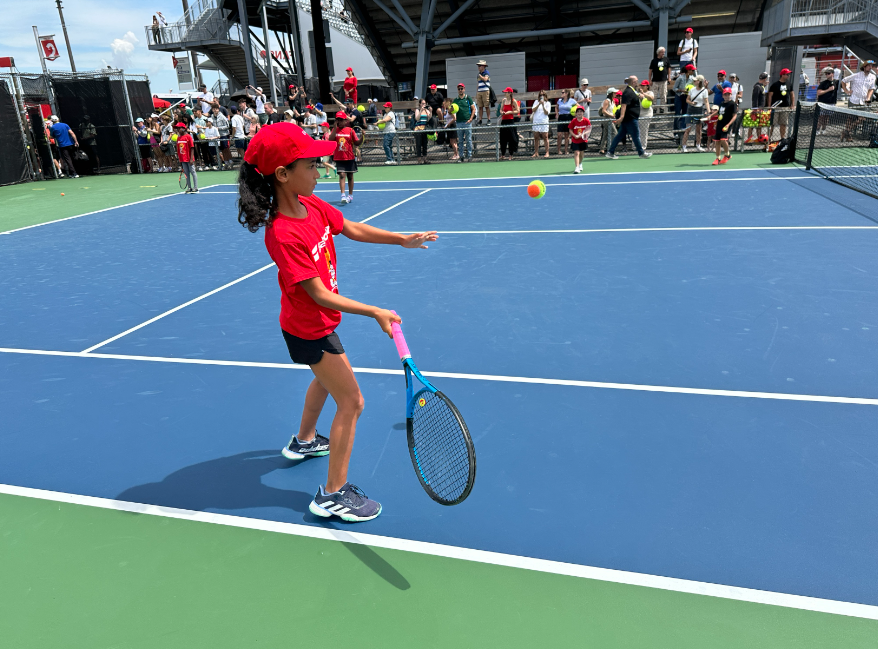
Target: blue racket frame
{"type": "Point", "coordinates": [411, 369]}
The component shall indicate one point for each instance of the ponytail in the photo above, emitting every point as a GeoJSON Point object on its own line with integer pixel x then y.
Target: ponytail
{"type": "Point", "coordinates": [257, 202]}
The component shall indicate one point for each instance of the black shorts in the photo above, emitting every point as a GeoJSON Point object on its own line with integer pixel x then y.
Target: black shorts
{"type": "Point", "coordinates": [562, 126]}
{"type": "Point", "coordinates": [345, 166]}
{"type": "Point", "coordinates": [579, 146]}
{"type": "Point", "coordinates": [309, 352]}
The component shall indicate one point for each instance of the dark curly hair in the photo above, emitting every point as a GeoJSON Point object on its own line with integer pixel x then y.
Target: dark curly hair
{"type": "Point", "coordinates": [257, 203]}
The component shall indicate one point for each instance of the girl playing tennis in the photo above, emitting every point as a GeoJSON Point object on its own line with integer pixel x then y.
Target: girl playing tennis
{"type": "Point", "coordinates": [345, 162]}
{"type": "Point", "coordinates": [275, 187]}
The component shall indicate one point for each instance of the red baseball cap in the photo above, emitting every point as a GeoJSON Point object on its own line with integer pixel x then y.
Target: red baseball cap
{"type": "Point", "coordinates": [348, 69]}
{"type": "Point", "coordinates": [722, 72]}
{"type": "Point", "coordinates": [507, 89]}
{"type": "Point", "coordinates": [644, 83]}
{"type": "Point", "coordinates": [179, 125]}
{"type": "Point", "coordinates": [341, 115]}
{"type": "Point", "coordinates": [277, 145]}
{"type": "Point", "coordinates": [689, 67]}
{"type": "Point", "coordinates": [433, 87]}
{"type": "Point", "coordinates": [727, 91]}
{"type": "Point", "coordinates": [460, 85]}
{"type": "Point", "coordinates": [388, 105]}
{"type": "Point", "coordinates": [689, 29]}
{"type": "Point", "coordinates": [786, 71]}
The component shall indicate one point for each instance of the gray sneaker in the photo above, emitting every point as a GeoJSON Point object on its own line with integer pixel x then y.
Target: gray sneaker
{"type": "Point", "coordinates": [348, 503]}
{"type": "Point", "coordinates": [612, 156]}
{"type": "Point", "coordinates": [297, 450]}
{"type": "Point", "coordinates": [646, 154]}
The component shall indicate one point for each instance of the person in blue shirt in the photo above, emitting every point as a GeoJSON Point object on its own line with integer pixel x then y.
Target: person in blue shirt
{"type": "Point", "coordinates": [66, 140]}
{"type": "Point", "coordinates": [717, 89]}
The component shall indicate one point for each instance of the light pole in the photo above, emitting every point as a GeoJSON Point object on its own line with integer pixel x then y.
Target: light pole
{"type": "Point", "coordinates": [66, 38]}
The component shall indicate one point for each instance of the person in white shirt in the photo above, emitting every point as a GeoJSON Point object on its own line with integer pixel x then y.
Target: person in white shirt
{"type": "Point", "coordinates": [244, 110]}
{"type": "Point", "coordinates": [859, 87]}
{"type": "Point", "coordinates": [212, 136]}
{"type": "Point", "coordinates": [836, 74]}
{"type": "Point", "coordinates": [206, 98]}
{"type": "Point", "coordinates": [698, 100]}
{"type": "Point", "coordinates": [260, 100]}
{"type": "Point", "coordinates": [540, 113]}
{"type": "Point", "coordinates": [238, 135]}
{"type": "Point", "coordinates": [687, 50]}
{"type": "Point", "coordinates": [582, 97]}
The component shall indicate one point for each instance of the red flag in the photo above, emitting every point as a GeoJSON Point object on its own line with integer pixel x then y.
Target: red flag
{"type": "Point", "coordinates": [50, 50]}
{"type": "Point", "coordinates": [174, 59]}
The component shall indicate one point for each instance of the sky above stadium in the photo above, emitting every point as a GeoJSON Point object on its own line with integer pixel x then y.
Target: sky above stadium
{"type": "Point", "coordinates": [101, 33]}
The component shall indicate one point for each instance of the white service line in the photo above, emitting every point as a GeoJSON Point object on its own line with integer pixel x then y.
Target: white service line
{"type": "Point", "coordinates": [175, 309]}
{"type": "Point", "coordinates": [395, 205]}
{"type": "Point", "coordinates": [695, 229]}
{"type": "Point", "coordinates": [779, 396]}
{"type": "Point", "coordinates": [785, 600]}
{"type": "Point", "coordinates": [106, 209]}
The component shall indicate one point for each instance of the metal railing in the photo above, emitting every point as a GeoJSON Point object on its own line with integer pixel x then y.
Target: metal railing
{"type": "Point", "coordinates": [203, 22]}
{"type": "Point", "coordinates": [345, 27]}
{"type": "Point", "coordinates": [832, 13]}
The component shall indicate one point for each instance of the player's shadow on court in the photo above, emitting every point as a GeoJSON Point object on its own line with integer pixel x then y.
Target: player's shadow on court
{"type": "Point", "coordinates": [235, 483]}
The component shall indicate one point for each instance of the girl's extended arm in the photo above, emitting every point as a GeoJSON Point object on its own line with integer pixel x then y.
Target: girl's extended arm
{"type": "Point", "coordinates": [315, 288]}
{"type": "Point", "coordinates": [368, 234]}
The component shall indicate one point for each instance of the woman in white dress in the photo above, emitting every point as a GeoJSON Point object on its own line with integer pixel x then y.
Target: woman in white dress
{"type": "Point", "coordinates": [539, 114]}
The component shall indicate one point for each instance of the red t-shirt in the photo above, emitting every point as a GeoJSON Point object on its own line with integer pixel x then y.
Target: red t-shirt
{"type": "Point", "coordinates": [184, 148]}
{"type": "Point", "coordinates": [350, 88]}
{"type": "Point", "coordinates": [302, 249]}
{"type": "Point", "coordinates": [345, 139]}
{"type": "Point", "coordinates": [579, 129]}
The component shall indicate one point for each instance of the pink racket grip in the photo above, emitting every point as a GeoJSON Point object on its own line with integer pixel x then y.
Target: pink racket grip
{"type": "Point", "coordinates": [401, 347]}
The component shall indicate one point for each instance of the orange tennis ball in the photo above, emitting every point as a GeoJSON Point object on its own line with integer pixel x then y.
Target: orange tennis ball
{"type": "Point", "coordinates": [62, 193]}
{"type": "Point", "coordinates": [536, 189]}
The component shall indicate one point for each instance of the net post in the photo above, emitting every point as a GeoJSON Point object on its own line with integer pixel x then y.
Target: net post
{"type": "Point", "coordinates": [813, 137]}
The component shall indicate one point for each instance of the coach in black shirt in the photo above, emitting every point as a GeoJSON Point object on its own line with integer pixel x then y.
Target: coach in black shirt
{"type": "Point", "coordinates": [627, 123]}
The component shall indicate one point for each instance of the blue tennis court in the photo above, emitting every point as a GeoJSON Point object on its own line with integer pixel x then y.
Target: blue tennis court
{"type": "Point", "coordinates": [671, 373]}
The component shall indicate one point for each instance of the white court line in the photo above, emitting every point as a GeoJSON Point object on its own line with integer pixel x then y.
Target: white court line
{"type": "Point", "coordinates": [176, 308]}
{"type": "Point", "coordinates": [694, 229]}
{"type": "Point", "coordinates": [106, 209]}
{"type": "Point", "coordinates": [778, 396]}
{"type": "Point", "coordinates": [583, 184]}
{"type": "Point", "coordinates": [395, 205]}
{"type": "Point", "coordinates": [751, 595]}
{"type": "Point", "coordinates": [587, 175]}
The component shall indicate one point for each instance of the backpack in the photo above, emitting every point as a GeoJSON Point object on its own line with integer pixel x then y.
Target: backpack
{"type": "Point", "coordinates": [782, 153]}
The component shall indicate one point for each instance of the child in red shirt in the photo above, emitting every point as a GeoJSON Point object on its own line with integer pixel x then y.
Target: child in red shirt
{"type": "Point", "coordinates": [345, 162]}
{"type": "Point", "coordinates": [276, 185]}
{"type": "Point", "coordinates": [580, 129]}
{"type": "Point", "coordinates": [184, 146]}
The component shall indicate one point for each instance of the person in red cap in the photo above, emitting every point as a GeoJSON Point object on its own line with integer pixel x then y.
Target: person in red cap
{"type": "Point", "coordinates": [781, 95]}
{"type": "Point", "coordinates": [276, 185]}
{"type": "Point", "coordinates": [345, 163]}
{"type": "Point", "coordinates": [509, 110]}
{"type": "Point", "coordinates": [687, 50]}
{"type": "Point", "coordinates": [350, 86]}
{"type": "Point", "coordinates": [389, 121]}
{"type": "Point", "coordinates": [434, 100]}
{"type": "Point", "coordinates": [184, 146]}
{"type": "Point", "coordinates": [726, 114]}
{"type": "Point", "coordinates": [580, 129]}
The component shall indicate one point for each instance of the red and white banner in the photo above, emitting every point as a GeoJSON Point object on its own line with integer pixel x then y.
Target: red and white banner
{"type": "Point", "coordinates": [50, 50]}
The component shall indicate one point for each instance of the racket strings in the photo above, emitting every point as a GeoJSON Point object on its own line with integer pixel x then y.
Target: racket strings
{"type": "Point", "coordinates": [440, 445]}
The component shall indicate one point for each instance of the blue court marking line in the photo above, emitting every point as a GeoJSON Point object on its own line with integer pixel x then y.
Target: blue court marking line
{"type": "Point", "coordinates": [778, 396]}
{"type": "Point", "coordinates": [106, 209]}
{"type": "Point", "coordinates": [466, 554]}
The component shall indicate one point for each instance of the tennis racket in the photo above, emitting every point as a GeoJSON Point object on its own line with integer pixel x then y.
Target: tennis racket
{"type": "Point", "coordinates": [439, 442]}
{"type": "Point", "coordinates": [183, 180]}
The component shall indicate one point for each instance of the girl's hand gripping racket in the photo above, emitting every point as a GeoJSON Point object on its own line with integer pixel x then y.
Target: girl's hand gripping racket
{"type": "Point", "coordinates": [440, 445]}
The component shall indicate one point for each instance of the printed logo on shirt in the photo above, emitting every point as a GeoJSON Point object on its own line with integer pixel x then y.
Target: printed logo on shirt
{"type": "Point", "coordinates": [315, 253]}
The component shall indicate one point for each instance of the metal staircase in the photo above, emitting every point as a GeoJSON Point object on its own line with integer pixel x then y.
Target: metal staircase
{"type": "Point", "coordinates": [205, 29]}
{"type": "Point", "coordinates": [853, 23]}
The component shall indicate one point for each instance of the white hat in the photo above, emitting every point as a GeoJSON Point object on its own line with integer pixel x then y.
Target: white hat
{"type": "Point", "coordinates": [154, 115]}
{"type": "Point", "coordinates": [259, 90]}
{"type": "Point", "coordinates": [54, 118]}
{"type": "Point", "coordinates": [612, 89]}
{"type": "Point", "coordinates": [584, 81]}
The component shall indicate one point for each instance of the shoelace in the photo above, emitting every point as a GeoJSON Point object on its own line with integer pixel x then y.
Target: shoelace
{"type": "Point", "coordinates": [357, 496]}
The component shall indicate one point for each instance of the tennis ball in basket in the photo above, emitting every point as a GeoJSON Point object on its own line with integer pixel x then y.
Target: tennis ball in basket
{"type": "Point", "coordinates": [382, 126]}
{"type": "Point", "coordinates": [361, 108]}
{"type": "Point", "coordinates": [174, 137]}
{"type": "Point", "coordinates": [536, 189]}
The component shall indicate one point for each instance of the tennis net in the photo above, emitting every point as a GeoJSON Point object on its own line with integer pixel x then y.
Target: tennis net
{"type": "Point", "coordinates": [840, 144]}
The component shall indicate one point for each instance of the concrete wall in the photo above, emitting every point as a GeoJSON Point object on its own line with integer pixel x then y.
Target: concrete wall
{"type": "Point", "coordinates": [738, 53]}
{"type": "Point", "coordinates": [506, 70]}
{"type": "Point", "coordinates": [608, 65]}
